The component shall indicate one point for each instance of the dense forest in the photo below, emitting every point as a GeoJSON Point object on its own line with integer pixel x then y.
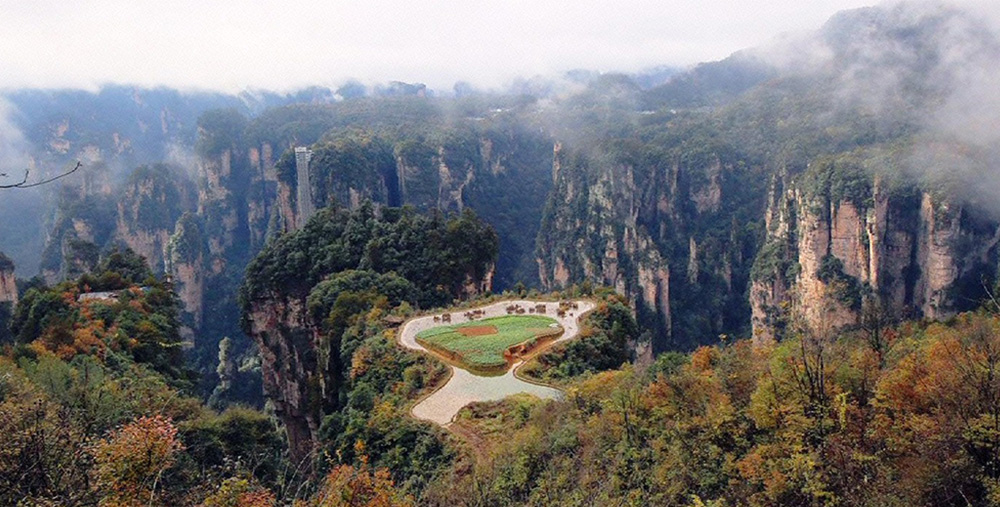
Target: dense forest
{"type": "Point", "coordinates": [902, 415]}
{"type": "Point", "coordinates": [886, 414]}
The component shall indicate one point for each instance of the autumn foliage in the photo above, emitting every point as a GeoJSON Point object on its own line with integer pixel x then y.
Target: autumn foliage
{"type": "Point", "coordinates": [113, 317]}
{"type": "Point", "coordinates": [130, 462]}
{"type": "Point", "coordinates": [912, 418]}
{"type": "Point", "coordinates": [361, 486]}
{"type": "Point", "coordinates": [239, 492]}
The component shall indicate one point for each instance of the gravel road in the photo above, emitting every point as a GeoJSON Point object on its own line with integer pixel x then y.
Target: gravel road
{"type": "Point", "coordinates": [465, 387]}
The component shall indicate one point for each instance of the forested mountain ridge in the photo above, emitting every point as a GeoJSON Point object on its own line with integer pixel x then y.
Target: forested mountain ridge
{"type": "Point", "coordinates": [788, 252]}
{"type": "Point", "coordinates": [679, 196]}
{"type": "Point", "coordinates": [854, 136]}
{"type": "Point", "coordinates": [306, 289]}
{"type": "Point", "coordinates": [720, 203]}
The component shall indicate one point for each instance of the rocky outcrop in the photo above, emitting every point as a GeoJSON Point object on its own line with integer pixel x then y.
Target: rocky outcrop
{"type": "Point", "coordinates": [453, 181]}
{"type": "Point", "coordinates": [938, 238]}
{"type": "Point", "coordinates": [288, 342]}
{"type": "Point", "coordinates": [8, 296]}
{"type": "Point", "coordinates": [151, 245]}
{"type": "Point", "coordinates": [474, 287]}
{"type": "Point", "coordinates": [920, 255]}
{"type": "Point", "coordinates": [8, 284]}
{"type": "Point", "coordinates": [291, 287]}
{"type": "Point", "coordinates": [708, 198]}
{"type": "Point", "coordinates": [186, 265]}
{"type": "Point", "coordinates": [606, 244]}
{"type": "Point", "coordinates": [83, 223]}
{"type": "Point", "coordinates": [458, 169]}
{"type": "Point", "coordinates": [819, 239]}
{"type": "Point", "coordinates": [301, 374]}
{"type": "Point", "coordinates": [216, 200]}
{"type": "Point", "coordinates": [151, 203]}
{"type": "Point", "coordinates": [776, 264]}
{"type": "Point", "coordinates": [261, 205]}
{"type": "Point", "coordinates": [419, 179]}
{"type": "Point", "coordinates": [650, 228]}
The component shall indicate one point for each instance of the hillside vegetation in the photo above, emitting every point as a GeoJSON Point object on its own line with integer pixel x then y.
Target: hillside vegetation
{"type": "Point", "coordinates": [793, 253]}
{"type": "Point", "coordinates": [896, 416]}
{"type": "Point", "coordinates": [885, 415]}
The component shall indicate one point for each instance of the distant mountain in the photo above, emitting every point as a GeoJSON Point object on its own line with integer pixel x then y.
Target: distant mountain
{"type": "Point", "coordinates": [719, 202]}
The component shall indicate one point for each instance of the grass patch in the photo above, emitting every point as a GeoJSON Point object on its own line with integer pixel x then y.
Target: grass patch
{"type": "Point", "coordinates": [476, 344]}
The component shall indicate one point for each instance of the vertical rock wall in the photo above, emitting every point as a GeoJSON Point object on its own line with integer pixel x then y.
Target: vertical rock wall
{"type": "Point", "coordinates": [909, 249]}
{"type": "Point", "coordinates": [596, 235]}
{"type": "Point", "coordinates": [654, 226]}
{"type": "Point", "coordinates": [8, 284]}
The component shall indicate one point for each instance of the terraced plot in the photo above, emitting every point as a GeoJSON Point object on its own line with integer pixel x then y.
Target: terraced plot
{"type": "Point", "coordinates": [481, 345]}
{"type": "Point", "coordinates": [464, 386]}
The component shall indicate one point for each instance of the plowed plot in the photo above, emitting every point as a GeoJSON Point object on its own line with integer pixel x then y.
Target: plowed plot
{"type": "Point", "coordinates": [478, 330]}
{"type": "Point", "coordinates": [480, 345]}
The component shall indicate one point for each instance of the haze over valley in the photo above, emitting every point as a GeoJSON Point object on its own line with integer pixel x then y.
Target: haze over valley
{"type": "Point", "coordinates": [295, 257]}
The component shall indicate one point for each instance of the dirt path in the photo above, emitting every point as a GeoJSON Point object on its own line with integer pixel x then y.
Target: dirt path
{"type": "Point", "coordinates": [475, 441]}
{"type": "Point", "coordinates": [465, 387]}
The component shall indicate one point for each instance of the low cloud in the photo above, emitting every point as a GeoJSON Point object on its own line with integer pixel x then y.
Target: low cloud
{"type": "Point", "coordinates": [14, 157]}
{"type": "Point", "coordinates": [292, 43]}
{"type": "Point", "coordinates": [929, 65]}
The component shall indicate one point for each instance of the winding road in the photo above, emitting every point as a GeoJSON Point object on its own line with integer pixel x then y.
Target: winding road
{"type": "Point", "coordinates": [465, 387]}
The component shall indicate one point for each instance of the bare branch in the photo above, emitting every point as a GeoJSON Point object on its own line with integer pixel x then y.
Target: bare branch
{"type": "Point", "coordinates": [17, 185]}
{"type": "Point", "coordinates": [24, 182]}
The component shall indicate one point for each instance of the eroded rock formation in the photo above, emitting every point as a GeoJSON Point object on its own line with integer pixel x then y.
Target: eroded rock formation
{"type": "Point", "coordinates": [8, 284]}
{"type": "Point", "coordinates": [921, 255]}
{"type": "Point", "coordinates": [645, 227]}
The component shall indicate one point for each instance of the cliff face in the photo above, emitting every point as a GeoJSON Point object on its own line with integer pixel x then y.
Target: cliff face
{"type": "Point", "coordinates": [264, 183]}
{"type": "Point", "coordinates": [300, 381]}
{"type": "Point", "coordinates": [93, 214]}
{"type": "Point", "coordinates": [8, 296]}
{"type": "Point", "coordinates": [84, 221]}
{"type": "Point", "coordinates": [347, 172]}
{"type": "Point", "coordinates": [501, 173]}
{"type": "Point", "coordinates": [8, 284]}
{"type": "Point", "coordinates": [605, 244]}
{"type": "Point", "coordinates": [287, 340]}
{"type": "Point", "coordinates": [242, 197]}
{"type": "Point", "coordinates": [649, 229]}
{"type": "Point", "coordinates": [149, 244]}
{"type": "Point", "coordinates": [294, 284]}
{"type": "Point", "coordinates": [419, 178]}
{"type": "Point", "coordinates": [922, 256]}
{"type": "Point", "coordinates": [216, 202]}
{"type": "Point", "coordinates": [186, 265]}
{"type": "Point", "coordinates": [457, 169]}
{"type": "Point", "coordinates": [244, 193]}
{"type": "Point", "coordinates": [452, 180]}
{"type": "Point", "coordinates": [150, 205]}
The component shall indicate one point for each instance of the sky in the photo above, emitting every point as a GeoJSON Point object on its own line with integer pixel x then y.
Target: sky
{"type": "Point", "coordinates": [286, 44]}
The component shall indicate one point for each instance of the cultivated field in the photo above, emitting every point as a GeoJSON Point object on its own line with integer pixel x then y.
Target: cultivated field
{"type": "Point", "coordinates": [465, 386]}
{"type": "Point", "coordinates": [484, 344]}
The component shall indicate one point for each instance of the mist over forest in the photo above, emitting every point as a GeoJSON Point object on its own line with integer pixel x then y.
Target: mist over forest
{"type": "Point", "coordinates": [765, 279]}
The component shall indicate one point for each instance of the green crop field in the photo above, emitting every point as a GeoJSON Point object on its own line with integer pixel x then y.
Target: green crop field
{"type": "Point", "coordinates": [486, 351]}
